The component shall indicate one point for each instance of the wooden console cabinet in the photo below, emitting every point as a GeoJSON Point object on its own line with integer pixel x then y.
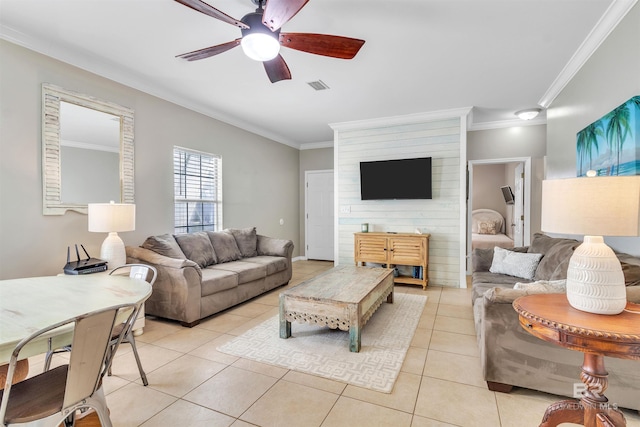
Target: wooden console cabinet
{"type": "Point", "coordinates": [395, 249]}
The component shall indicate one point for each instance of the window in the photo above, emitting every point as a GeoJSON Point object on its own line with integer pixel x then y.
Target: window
{"type": "Point", "coordinates": [197, 188]}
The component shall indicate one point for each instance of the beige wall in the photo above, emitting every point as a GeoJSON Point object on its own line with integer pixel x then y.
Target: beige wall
{"type": "Point", "coordinates": [609, 78]}
{"type": "Point", "coordinates": [487, 180]}
{"type": "Point", "coordinates": [518, 141]}
{"type": "Point", "coordinates": [310, 160]}
{"type": "Point", "coordinates": [260, 176]}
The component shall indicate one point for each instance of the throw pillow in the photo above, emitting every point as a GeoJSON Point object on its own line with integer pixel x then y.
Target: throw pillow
{"type": "Point", "coordinates": [487, 227]}
{"type": "Point", "coordinates": [197, 247]}
{"type": "Point", "coordinates": [164, 244]}
{"type": "Point", "coordinates": [247, 240]}
{"type": "Point", "coordinates": [224, 245]}
{"type": "Point", "coordinates": [554, 264]}
{"type": "Point", "coordinates": [516, 264]}
{"type": "Point", "coordinates": [630, 269]}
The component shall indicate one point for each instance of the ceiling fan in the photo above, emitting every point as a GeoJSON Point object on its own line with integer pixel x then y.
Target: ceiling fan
{"type": "Point", "coordinates": [261, 37]}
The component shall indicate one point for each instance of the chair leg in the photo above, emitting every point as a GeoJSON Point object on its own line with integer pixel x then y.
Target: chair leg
{"type": "Point", "coordinates": [99, 402]}
{"type": "Point", "coordinates": [131, 340]}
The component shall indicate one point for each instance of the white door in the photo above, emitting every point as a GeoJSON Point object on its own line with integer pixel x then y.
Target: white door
{"type": "Point", "coordinates": [518, 207]}
{"type": "Point", "coordinates": [319, 215]}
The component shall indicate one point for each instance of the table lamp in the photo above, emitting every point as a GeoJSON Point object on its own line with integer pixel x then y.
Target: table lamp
{"type": "Point", "coordinates": [593, 207]}
{"type": "Point", "coordinates": [112, 218]}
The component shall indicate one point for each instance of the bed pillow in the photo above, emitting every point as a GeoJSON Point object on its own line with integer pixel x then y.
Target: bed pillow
{"type": "Point", "coordinates": [516, 264]}
{"type": "Point", "coordinates": [487, 227]}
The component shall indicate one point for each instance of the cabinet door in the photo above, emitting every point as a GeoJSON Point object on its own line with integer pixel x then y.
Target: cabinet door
{"type": "Point", "coordinates": [407, 251]}
{"type": "Point", "coordinates": [371, 249]}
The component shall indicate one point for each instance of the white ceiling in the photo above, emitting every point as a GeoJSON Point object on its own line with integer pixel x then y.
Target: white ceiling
{"type": "Point", "coordinates": [497, 56]}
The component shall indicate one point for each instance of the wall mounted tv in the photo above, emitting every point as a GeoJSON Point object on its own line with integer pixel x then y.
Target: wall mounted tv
{"type": "Point", "coordinates": [396, 179]}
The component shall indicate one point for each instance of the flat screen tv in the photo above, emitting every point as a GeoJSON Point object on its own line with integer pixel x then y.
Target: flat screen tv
{"type": "Point", "coordinates": [396, 179]}
{"type": "Point", "coordinates": [507, 194]}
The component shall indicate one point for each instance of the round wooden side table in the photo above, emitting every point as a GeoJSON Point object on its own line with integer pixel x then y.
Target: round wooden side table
{"type": "Point", "coordinates": [551, 318]}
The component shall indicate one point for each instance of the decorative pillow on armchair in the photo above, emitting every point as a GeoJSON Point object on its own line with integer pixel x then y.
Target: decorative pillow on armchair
{"type": "Point", "coordinates": [516, 264]}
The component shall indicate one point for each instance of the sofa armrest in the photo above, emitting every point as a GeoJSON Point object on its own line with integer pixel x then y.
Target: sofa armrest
{"type": "Point", "coordinates": [150, 257]}
{"type": "Point", "coordinates": [633, 294]}
{"type": "Point", "coordinates": [274, 247]}
{"type": "Point", "coordinates": [508, 296]}
{"type": "Point", "coordinates": [177, 290]}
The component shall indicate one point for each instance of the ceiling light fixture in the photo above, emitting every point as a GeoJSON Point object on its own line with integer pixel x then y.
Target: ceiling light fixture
{"type": "Point", "coordinates": [529, 113]}
{"type": "Point", "coordinates": [259, 42]}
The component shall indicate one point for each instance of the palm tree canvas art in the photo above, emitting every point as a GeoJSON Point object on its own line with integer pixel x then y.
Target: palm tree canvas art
{"type": "Point", "coordinates": [611, 145]}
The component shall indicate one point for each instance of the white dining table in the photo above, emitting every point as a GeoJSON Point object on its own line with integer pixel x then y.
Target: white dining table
{"type": "Point", "coordinates": [30, 304]}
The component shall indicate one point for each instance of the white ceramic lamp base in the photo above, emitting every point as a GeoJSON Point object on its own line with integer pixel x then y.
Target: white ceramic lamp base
{"type": "Point", "coordinates": [112, 251]}
{"type": "Point", "coordinates": [595, 282]}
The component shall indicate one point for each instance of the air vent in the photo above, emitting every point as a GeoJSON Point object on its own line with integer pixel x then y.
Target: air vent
{"type": "Point", "coordinates": [318, 85]}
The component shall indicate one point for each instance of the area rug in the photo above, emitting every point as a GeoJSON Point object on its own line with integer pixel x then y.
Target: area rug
{"type": "Point", "coordinates": [325, 352]}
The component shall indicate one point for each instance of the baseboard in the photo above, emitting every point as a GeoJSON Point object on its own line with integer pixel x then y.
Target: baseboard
{"type": "Point", "coordinates": [299, 258]}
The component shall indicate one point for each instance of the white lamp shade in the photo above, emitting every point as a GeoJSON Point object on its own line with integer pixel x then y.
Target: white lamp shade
{"type": "Point", "coordinates": [599, 206]}
{"type": "Point", "coordinates": [594, 207]}
{"type": "Point", "coordinates": [108, 217]}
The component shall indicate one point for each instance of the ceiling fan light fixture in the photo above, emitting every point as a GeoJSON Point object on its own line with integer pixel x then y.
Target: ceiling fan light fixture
{"type": "Point", "coordinates": [260, 46]}
{"type": "Point", "coordinates": [529, 113]}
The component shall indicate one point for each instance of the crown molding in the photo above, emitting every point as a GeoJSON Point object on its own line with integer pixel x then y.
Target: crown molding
{"type": "Point", "coordinates": [95, 65]}
{"type": "Point", "coordinates": [400, 120]}
{"type": "Point", "coordinates": [507, 124]}
{"type": "Point", "coordinates": [609, 20]}
{"type": "Point", "coordinates": [314, 145]}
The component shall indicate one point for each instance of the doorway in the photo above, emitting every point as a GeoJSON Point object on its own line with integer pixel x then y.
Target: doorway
{"type": "Point", "coordinates": [516, 173]}
{"type": "Point", "coordinates": [319, 215]}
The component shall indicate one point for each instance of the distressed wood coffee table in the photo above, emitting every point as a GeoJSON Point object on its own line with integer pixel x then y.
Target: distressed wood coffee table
{"type": "Point", "coordinates": [344, 297]}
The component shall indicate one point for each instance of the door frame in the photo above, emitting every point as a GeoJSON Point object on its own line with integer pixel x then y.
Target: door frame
{"type": "Point", "coordinates": [527, 198]}
{"type": "Point", "coordinates": [306, 207]}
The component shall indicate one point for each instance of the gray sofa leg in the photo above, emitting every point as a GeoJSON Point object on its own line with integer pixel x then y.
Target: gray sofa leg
{"type": "Point", "coordinates": [502, 388]}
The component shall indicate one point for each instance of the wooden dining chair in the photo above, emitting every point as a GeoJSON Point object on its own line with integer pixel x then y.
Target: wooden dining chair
{"type": "Point", "coordinates": [137, 271]}
{"type": "Point", "coordinates": [54, 396]}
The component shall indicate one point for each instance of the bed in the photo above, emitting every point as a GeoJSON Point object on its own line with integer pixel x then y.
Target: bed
{"type": "Point", "coordinates": [488, 230]}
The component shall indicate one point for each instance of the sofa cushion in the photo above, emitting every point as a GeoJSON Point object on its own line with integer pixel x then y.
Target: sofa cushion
{"type": "Point", "coordinates": [274, 264]}
{"type": "Point", "coordinates": [246, 271]}
{"type": "Point", "coordinates": [197, 247]}
{"type": "Point", "coordinates": [225, 246]}
{"type": "Point", "coordinates": [164, 244]}
{"type": "Point", "coordinates": [247, 240]}
{"type": "Point", "coordinates": [214, 280]}
{"type": "Point", "coordinates": [554, 264]}
{"type": "Point", "coordinates": [514, 263]}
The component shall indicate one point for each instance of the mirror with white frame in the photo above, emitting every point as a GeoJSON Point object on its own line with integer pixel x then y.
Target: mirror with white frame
{"type": "Point", "coordinates": [87, 151]}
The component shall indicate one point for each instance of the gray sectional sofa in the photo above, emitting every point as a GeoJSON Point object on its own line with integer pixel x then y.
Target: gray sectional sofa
{"type": "Point", "coordinates": [510, 356]}
{"type": "Point", "coordinates": [203, 273]}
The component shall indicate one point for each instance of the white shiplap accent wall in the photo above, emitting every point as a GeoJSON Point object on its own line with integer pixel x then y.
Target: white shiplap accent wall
{"type": "Point", "coordinates": [440, 138]}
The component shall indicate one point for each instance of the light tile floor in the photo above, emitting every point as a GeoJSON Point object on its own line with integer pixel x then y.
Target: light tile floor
{"type": "Point", "coordinates": [192, 384]}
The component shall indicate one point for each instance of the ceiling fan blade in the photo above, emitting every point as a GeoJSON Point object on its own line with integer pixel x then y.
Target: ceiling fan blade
{"type": "Point", "coordinates": [203, 7]}
{"type": "Point", "coordinates": [209, 51]}
{"type": "Point", "coordinates": [322, 44]}
{"type": "Point", "coordinates": [277, 69]}
{"type": "Point", "coordinates": [279, 12]}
